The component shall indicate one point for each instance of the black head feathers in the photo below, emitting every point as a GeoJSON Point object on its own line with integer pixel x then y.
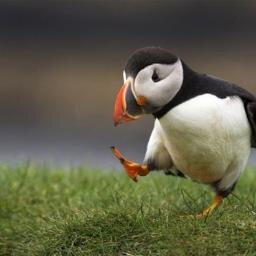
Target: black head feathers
{"type": "Point", "coordinates": [147, 56]}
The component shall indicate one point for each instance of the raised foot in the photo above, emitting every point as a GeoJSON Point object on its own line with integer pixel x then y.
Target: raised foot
{"type": "Point", "coordinates": [132, 169]}
{"type": "Point", "coordinates": [215, 203]}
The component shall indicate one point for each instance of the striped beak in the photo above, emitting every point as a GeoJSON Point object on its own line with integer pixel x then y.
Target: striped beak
{"type": "Point", "coordinates": [126, 107]}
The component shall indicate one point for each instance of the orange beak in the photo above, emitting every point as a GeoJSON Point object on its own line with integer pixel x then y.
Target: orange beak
{"type": "Point", "coordinates": [126, 108]}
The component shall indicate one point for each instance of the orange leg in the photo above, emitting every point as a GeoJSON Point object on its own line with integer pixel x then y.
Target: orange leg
{"type": "Point", "coordinates": [131, 168]}
{"type": "Point", "coordinates": [215, 203]}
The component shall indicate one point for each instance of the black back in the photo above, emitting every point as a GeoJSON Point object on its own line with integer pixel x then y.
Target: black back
{"type": "Point", "coordinates": [195, 84]}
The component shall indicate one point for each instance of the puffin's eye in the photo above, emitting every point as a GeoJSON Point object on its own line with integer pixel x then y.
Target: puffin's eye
{"type": "Point", "coordinates": [155, 77]}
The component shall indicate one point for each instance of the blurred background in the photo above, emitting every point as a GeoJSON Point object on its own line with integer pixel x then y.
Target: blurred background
{"type": "Point", "coordinates": [61, 66]}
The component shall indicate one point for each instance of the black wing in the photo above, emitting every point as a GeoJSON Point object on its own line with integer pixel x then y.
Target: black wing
{"type": "Point", "coordinates": [251, 113]}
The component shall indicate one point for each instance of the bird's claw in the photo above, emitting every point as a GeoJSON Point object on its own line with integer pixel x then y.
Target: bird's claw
{"type": "Point", "coordinates": [132, 169]}
{"type": "Point", "coordinates": [214, 204]}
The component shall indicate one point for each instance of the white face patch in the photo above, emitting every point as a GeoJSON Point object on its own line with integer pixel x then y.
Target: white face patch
{"type": "Point", "coordinates": [159, 92]}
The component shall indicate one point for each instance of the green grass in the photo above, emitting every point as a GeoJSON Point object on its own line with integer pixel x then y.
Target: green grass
{"type": "Point", "coordinates": [89, 212]}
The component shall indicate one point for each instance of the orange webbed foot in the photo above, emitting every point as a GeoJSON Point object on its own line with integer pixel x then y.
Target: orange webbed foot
{"type": "Point", "coordinates": [132, 169]}
{"type": "Point", "coordinates": [214, 204]}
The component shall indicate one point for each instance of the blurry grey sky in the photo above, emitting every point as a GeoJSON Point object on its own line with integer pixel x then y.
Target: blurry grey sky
{"type": "Point", "coordinates": [61, 66]}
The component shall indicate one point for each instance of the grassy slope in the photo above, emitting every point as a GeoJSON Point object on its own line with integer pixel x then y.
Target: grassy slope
{"type": "Point", "coordinates": [83, 212]}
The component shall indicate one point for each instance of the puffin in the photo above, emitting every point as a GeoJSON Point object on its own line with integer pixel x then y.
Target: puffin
{"type": "Point", "coordinates": [204, 126]}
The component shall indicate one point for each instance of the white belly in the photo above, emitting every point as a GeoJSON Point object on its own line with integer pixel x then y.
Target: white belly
{"type": "Point", "coordinates": [206, 135]}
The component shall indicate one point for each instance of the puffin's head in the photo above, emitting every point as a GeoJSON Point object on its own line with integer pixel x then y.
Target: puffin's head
{"type": "Point", "coordinates": [152, 77]}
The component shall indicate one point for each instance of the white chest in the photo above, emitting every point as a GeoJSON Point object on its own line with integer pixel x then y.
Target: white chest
{"type": "Point", "coordinates": [205, 135]}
